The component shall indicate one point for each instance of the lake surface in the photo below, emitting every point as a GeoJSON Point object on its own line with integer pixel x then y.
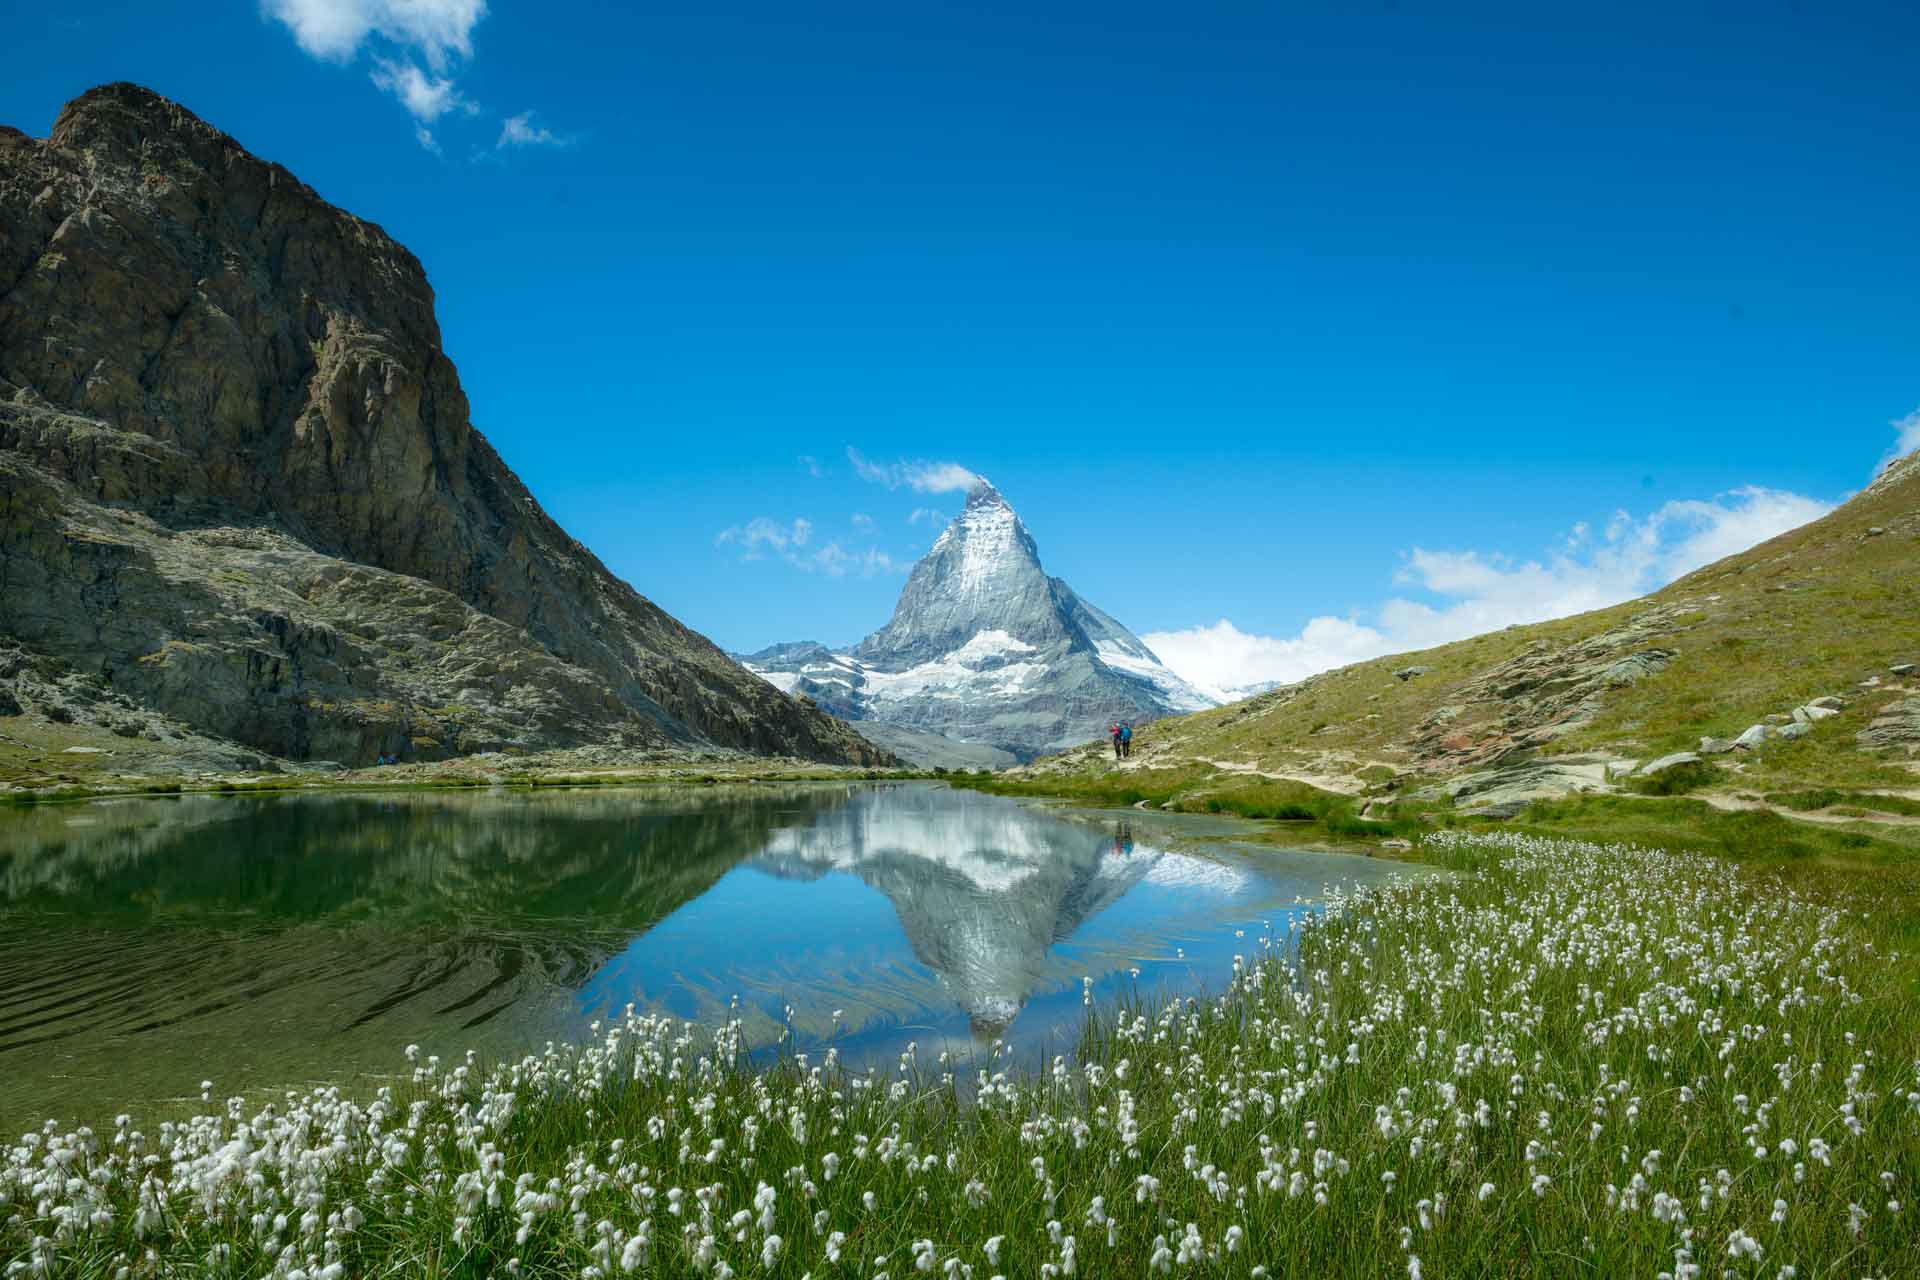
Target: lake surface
{"type": "Point", "coordinates": [146, 944]}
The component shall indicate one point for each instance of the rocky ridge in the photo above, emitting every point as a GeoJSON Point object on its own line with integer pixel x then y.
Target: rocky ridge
{"type": "Point", "coordinates": [239, 486]}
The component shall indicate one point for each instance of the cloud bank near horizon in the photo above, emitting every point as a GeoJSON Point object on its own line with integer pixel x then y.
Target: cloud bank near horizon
{"type": "Point", "coordinates": [1479, 592]}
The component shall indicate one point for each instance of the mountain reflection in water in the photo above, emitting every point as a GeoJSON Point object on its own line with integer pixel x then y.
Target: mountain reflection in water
{"type": "Point", "coordinates": [268, 941]}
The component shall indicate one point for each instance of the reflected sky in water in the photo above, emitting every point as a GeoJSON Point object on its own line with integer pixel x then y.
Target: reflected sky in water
{"type": "Point", "coordinates": [269, 941]}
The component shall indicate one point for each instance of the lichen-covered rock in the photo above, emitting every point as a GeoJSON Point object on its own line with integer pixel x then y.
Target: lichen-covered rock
{"type": "Point", "coordinates": [1896, 728]}
{"type": "Point", "coordinates": [238, 481]}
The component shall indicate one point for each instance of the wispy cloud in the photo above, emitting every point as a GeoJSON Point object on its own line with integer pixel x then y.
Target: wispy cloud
{"type": "Point", "coordinates": [334, 30]}
{"type": "Point", "coordinates": [520, 131]}
{"type": "Point", "coordinates": [415, 47]}
{"type": "Point", "coordinates": [861, 520]}
{"type": "Point", "coordinates": [1906, 440]}
{"type": "Point", "coordinates": [1480, 592]}
{"type": "Point", "coordinates": [426, 97]}
{"type": "Point", "coordinates": [928, 514]}
{"type": "Point", "coordinates": [811, 465]}
{"type": "Point", "coordinates": [921, 477]}
{"type": "Point", "coordinates": [761, 537]}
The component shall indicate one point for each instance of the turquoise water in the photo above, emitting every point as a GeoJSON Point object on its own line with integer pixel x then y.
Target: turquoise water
{"type": "Point", "coordinates": [264, 942]}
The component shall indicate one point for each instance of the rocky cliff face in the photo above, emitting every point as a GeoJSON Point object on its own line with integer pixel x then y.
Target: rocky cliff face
{"type": "Point", "coordinates": [984, 647]}
{"type": "Point", "coordinates": [239, 482]}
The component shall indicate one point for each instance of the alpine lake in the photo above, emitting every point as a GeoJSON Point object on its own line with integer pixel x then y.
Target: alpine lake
{"type": "Point", "coordinates": [282, 941]}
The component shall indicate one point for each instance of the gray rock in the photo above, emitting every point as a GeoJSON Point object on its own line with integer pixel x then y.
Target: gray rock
{"type": "Point", "coordinates": [1828, 703]}
{"type": "Point", "coordinates": [1777, 718]}
{"type": "Point", "coordinates": [1798, 729]}
{"type": "Point", "coordinates": [1666, 762]}
{"type": "Point", "coordinates": [1811, 714]}
{"type": "Point", "coordinates": [1896, 728]}
{"type": "Point", "coordinates": [1505, 789]}
{"type": "Point", "coordinates": [1755, 736]}
{"type": "Point", "coordinates": [1902, 668]}
{"type": "Point", "coordinates": [1875, 531]}
{"type": "Point", "coordinates": [1408, 673]}
{"type": "Point", "coordinates": [1715, 746]}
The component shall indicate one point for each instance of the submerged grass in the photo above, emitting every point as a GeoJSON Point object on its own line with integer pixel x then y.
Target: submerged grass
{"type": "Point", "coordinates": [1568, 1057]}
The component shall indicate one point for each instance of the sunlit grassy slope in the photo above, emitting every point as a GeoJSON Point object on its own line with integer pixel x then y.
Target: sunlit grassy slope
{"type": "Point", "coordinates": [1813, 612]}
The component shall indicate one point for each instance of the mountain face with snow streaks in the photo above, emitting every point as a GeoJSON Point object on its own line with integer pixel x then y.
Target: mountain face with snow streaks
{"type": "Point", "coordinates": [984, 647]}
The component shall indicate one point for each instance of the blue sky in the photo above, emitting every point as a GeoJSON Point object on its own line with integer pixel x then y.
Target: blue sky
{"type": "Point", "coordinates": [1258, 313]}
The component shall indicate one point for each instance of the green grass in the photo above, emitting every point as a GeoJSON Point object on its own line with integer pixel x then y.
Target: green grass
{"type": "Point", "coordinates": [1200, 790]}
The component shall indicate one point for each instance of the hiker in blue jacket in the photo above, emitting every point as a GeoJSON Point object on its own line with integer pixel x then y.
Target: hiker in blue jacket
{"type": "Point", "coordinates": [1126, 741]}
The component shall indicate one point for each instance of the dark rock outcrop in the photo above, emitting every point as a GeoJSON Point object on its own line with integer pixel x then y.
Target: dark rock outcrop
{"type": "Point", "coordinates": [238, 481]}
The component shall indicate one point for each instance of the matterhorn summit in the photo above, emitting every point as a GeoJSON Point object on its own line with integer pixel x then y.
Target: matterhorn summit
{"type": "Point", "coordinates": [984, 648]}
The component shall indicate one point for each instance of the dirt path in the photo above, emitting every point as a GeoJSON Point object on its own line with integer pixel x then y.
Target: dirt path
{"type": "Point", "coordinates": [1731, 803]}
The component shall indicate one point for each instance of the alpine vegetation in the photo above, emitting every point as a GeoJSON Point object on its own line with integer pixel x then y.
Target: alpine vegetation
{"type": "Point", "coordinates": [1565, 1057]}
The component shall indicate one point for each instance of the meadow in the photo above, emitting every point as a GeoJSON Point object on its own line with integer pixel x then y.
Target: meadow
{"type": "Point", "coordinates": [1565, 1058]}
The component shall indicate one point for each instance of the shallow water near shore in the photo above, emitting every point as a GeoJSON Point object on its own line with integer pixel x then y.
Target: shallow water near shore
{"type": "Point", "coordinates": [147, 944]}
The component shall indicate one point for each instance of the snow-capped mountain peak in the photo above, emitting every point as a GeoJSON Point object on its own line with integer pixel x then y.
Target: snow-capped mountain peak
{"type": "Point", "coordinates": [984, 647]}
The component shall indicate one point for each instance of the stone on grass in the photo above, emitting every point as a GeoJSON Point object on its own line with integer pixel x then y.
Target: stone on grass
{"type": "Point", "coordinates": [1798, 729]}
{"type": "Point", "coordinates": [1715, 746]}
{"type": "Point", "coordinates": [1667, 762]}
{"type": "Point", "coordinates": [1902, 668]}
{"type": "Point", "coordinates": [1754, 736]}
{"type": "Point", "coordinates": [1829, 702]}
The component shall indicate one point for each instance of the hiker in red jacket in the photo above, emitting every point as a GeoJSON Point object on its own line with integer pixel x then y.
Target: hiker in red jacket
{"type": "Point", "coordinates": [1113, 731]}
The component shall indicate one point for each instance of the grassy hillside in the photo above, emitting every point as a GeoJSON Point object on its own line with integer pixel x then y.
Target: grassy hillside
{"type": "Point", "coordinates": [1542, 727]}
{"type": "Point", "coordinates": [1817, 611]}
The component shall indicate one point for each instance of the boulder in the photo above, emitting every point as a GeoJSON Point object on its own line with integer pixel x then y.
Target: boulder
{"type": "Point", "coordinates": [1715, 746]}
{"type": "Point", "coordinates": [1777, 718]}
{"type": "Point", "coordinates": [1408, 673]}
{"type": "Point", "coordinates": [1810, 713]}
{"type": "Point", "coordinates": [1667, 762]}
{"type": "Point", "coordinates": [1755, 736]}
{"type": "Point", "coordinates": [1902, 668]}
{"type": "Point", "coordinates": [1896, 728]}
{"type": "Point", "coordinates": [1798, 729]}
{"type": "Point", "coordinates": [1829, 703]}
{"type": "Point", "coordinates": [1875, 531]}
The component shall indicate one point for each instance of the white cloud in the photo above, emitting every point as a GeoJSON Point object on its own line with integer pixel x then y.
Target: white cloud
{"type": "Point", "coordinates": [425, 97]}
{"type": "Point", "coordinates": [1480, 592]}
{"type": "Point", "coordinates": [1906, 440]}
{"type": "Point", "coordinates": [758, 535]}
{"type": "Point", "coordinates": [861, 520]}
{"type": "Point", "coordinates": [921, 477]}
{"type": "Point", "coordinates": [415, 46]}
{"type": "Point", "coordinates": [811, 465]}
{"type": "Point", "coordinates": [520, 131]}
{"type": "Point", "coordinates": [928, 514]}
{"type": "Point", "coordinates": [439, 30]}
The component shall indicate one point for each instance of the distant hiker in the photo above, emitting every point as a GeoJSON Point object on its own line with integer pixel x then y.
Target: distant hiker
{"type": "Point", "coordinates": [1126, 741]}
{"type": "Point", "coordinates": [1113, 731]}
